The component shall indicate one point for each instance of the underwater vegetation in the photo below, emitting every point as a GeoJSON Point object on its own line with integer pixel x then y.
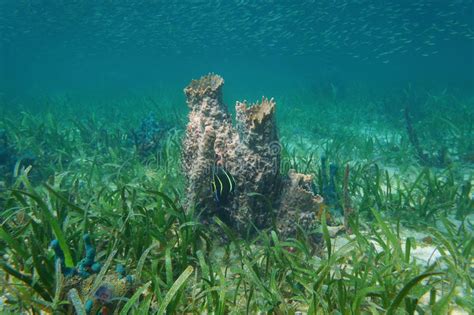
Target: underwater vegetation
{"type": "Point", "coordinates": [101, 293]}
{"type": "Point", "coordinates": [393, 235]}
{"type": "Point", "coordinates": [11, 160]}
{"type": "Point", "coordinates": [149, 136]}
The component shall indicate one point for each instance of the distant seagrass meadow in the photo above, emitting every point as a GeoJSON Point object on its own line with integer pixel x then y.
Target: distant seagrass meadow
{"type": "Point", "coordinates": [236, 157]}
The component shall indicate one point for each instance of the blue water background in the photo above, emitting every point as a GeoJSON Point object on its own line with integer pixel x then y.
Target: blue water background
{"type": "Point", "coordinates": [118, 48]}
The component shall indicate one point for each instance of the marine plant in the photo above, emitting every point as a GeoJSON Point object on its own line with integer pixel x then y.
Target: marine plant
{"type": "Point", "coordinates": [149, 135]}
{"type": "Point", "coordinates": [136, 213]}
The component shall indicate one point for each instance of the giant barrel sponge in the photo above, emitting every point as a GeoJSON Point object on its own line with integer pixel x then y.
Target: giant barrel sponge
{"type": "Point", "coordinates": [257, 194]}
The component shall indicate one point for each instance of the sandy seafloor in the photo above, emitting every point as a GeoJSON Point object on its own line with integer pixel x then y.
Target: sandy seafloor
{"type": "Point", "coordinates": [424, 253]}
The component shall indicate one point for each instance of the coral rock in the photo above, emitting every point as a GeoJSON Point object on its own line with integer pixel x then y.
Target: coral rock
{"type": "Point", "coordinates": [298, 204]}
{"type": "Point", "coordinates": [250, 152]}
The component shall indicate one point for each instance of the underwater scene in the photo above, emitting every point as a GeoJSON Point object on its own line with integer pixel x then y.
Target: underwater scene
{"type": "Point", "coordinates": [236, 157]}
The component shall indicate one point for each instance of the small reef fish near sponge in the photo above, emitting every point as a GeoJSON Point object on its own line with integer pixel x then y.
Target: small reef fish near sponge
{"type": "Point", "coordinates": [222, 184]}
{"type": "Point", "coordinates": [248, 188]}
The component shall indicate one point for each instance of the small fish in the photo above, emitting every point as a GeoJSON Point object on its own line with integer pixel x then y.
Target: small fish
{"type": "Point", "coordinates": [103, 294]}
{"type": "Point", "coordinates": [222, 184]}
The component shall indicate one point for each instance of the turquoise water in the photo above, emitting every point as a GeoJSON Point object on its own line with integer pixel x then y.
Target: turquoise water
{"type": "Point", "coordinates": [262, 47]}
{"type": "Point", "coordinates": [351, 192]}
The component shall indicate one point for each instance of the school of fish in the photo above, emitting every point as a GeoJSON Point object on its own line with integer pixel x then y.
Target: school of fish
{"type": "Point", "coordinates": [370, 30]}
